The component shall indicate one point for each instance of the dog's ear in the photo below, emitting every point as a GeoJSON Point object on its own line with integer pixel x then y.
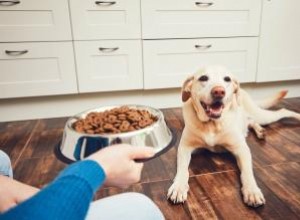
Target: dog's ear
{"type": "Point", "coordinates": [236, 86]}
{"type": "Point", "coordinates": [236, 91]}
{"type": "Point", "coordinates": [186, 89]}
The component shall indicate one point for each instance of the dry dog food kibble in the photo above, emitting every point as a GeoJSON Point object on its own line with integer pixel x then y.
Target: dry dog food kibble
{"type": "Point", "coordinates": [116, 120]}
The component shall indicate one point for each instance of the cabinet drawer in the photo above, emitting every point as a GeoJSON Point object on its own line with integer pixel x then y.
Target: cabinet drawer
{"type": "Point", "coordinates": [109, 65]}
{"type": "Point", "coordinates": [168, 62]}
{"type": "Point", "coordinates": [34, 20]}
{"type": "Point", "coordinates": [36, 69]}
{"type": "Point", "coordinates": [192, 18]}
{"type": "Point", "coordinates": [118, 19]}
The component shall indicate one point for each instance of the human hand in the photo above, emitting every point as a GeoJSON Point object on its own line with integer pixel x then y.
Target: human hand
{"type": "Point", "coordinates": [13, 192]}
{"type": "Point", "coordinates": [119, 164]}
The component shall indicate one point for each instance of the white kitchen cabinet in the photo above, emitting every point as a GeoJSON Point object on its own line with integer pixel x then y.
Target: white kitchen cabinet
{"type": "Point", "coordinates": [34, 20]}
{"type": "Point", "coordinates": [93, 20]}
{"type": "Point", "coordinates": [193, 18]}
{"type": "Point", "coordinates": [109, 65]}
{"type": "Point", "coordinates": [35, 69]}
{"type": "Point", "coordinates": [279, 49]}
{"type": "Point", "coordinates": [142, 44]}
{"type": "Point", "coordinates": [167, 63]}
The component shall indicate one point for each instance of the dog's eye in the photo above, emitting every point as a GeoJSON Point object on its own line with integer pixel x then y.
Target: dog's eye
{"type": "Point", "coordinates": [227, 79]}
{"type": "Point", "coordinates": [203, 78]}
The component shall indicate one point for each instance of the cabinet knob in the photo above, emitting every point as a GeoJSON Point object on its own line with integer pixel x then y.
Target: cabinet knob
{"type": "Point", "coordinates": [9, 3]}
{"type": "Point", "coordinates": [204, 4]}
{"type": "Point", "coordinates": [203, 47]}
{"type": "Point", "coordinates": [105, 3]}
{"type": "Point", "coordinates": [107, 49]}
{"type": "Point", "coordinates": [15, 52]}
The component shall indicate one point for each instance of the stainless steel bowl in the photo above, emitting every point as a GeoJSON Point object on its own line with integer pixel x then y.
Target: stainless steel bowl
{"type": "Point", "coordinates": [76, 146]}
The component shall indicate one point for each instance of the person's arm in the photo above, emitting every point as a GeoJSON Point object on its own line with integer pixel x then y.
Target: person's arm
{"type": "Point", "coordinates": [68, 197]}
{"type": "Point", "coordinates": [70, 194]}
{"type": "Point", "coordinates": [13, 192]}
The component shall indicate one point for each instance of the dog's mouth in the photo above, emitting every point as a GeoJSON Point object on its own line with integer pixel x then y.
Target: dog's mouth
{"type": "Point", "coordinates": [213, 110]}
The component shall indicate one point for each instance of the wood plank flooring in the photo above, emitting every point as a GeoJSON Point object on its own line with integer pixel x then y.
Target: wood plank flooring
{"type": "Point", "coordinates": [214, 178]}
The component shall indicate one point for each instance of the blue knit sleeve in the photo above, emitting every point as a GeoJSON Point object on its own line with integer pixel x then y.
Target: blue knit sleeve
{"type": "Point", "coordinates": [67, 197]}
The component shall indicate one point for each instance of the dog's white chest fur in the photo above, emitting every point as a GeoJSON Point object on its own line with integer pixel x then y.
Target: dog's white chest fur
{"type": "Point", "coordinates": [210, 139]}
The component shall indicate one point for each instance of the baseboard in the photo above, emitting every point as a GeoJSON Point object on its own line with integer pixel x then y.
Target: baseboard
{"type": "Point", "coordinates": [66, 105]}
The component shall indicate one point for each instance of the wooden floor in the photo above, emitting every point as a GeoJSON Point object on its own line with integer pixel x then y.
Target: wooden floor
{"type": "Point", "coordinates": [214, 178]}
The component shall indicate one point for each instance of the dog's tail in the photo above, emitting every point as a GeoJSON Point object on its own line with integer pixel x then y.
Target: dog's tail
{"type": "Point", "coordinates": [271, 101]}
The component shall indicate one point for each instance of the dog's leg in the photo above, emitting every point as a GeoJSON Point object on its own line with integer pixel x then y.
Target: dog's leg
{"type": "Point", "coordinates": [272, 101]}
{"type": "Point", "coordinates": [264, 117]}
{"type": "Point", "coordinates": [177, 193]}
{"type": "Point", "coordinates": [259, 130]}
{"type": "Point", "coordinates": [252, 195]}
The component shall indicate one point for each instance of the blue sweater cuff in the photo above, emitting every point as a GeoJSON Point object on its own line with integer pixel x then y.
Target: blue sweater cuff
{"type": "Point", "coordinates": [88, 170]}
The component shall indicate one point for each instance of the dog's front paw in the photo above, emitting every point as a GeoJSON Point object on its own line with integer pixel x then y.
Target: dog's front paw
{"type": "Point", "coordinates": [177, 193]}
{"type": "Point", "coordinates": [253, 196]}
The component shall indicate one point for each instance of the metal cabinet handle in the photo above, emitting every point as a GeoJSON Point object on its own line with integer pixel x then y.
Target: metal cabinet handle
{"type": "Point", "coordinates": [15, 52]}
{"type": "Point", "coordinates": [108, 50]}
{"type": "Point", "coordinates": [9, 3]}
{"type": "Point", "coordinates": [204, 4]}
{"type": "Point", "coordinates": [105, 3]}
{"type": "Point", "coordinates": [203, 47]}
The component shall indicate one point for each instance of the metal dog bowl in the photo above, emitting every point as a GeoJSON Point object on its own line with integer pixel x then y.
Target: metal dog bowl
{"type": "Point", "coordinates": [76, 146]}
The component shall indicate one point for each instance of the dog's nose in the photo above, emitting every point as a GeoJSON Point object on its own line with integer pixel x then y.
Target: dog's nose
{"type": "Point", "coordinates": [218, 92]}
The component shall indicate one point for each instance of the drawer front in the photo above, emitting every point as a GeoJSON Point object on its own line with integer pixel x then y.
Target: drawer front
{"type": "Point", "coordinates": [34, 20]}
{"type": "Point", "coordinates": [109, 65]}
{"type": "Point", "coordinates": [118, 19]}
{"type": "Point", "coordinates": [36, 69]}
{"type": "Point", "coordinates": [187, 18]}
{"type": "Point", "coordinates": [167, 63]}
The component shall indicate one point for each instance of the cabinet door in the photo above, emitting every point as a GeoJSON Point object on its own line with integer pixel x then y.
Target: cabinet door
{"type": "Point", "coordinates": [192, 18]}
{"type": "Point", "coordinates": [106, 19]}
{"type": "Point", "coordinates": [167, 63]}
{"type": "Point", "coordinates": [279, 49]}
{"type": "Point", "coordinates": [36, 69]}
{"type": "Point", "coordinates": [109, 65]}
{"type": "Point", "coordinates": [34, 20]}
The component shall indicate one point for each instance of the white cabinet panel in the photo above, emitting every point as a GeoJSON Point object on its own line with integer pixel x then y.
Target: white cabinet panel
{"type": "Point", "coordinates": [106, 19]}
{"type": "Point", "coordinates": [34, 20]}
{"type": "Point", "coordinates": [36, 69]}
{"type": "Point", "coordinates": [109, 65]}
{"type": "Point", "coordinates": [168, 62]}
{"type": "Point", "coordinates": [189, 18]}
{"type": "Point", "coordinates": [279, 51]}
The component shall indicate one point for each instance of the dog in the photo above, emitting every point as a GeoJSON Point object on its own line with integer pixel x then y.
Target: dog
{"type": "Point", "coordinates": [217, 115]}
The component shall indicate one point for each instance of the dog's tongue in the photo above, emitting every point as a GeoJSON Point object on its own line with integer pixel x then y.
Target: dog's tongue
{"type": "Point", "coordinates": [215, 110]}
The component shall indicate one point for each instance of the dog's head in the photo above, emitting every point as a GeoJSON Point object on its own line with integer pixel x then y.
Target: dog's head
{"type": "Point", "coordinates": [211, 90]}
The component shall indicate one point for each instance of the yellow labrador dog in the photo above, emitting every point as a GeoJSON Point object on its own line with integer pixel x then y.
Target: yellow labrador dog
{"type": "Point", "coordinates": [217, 115]}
